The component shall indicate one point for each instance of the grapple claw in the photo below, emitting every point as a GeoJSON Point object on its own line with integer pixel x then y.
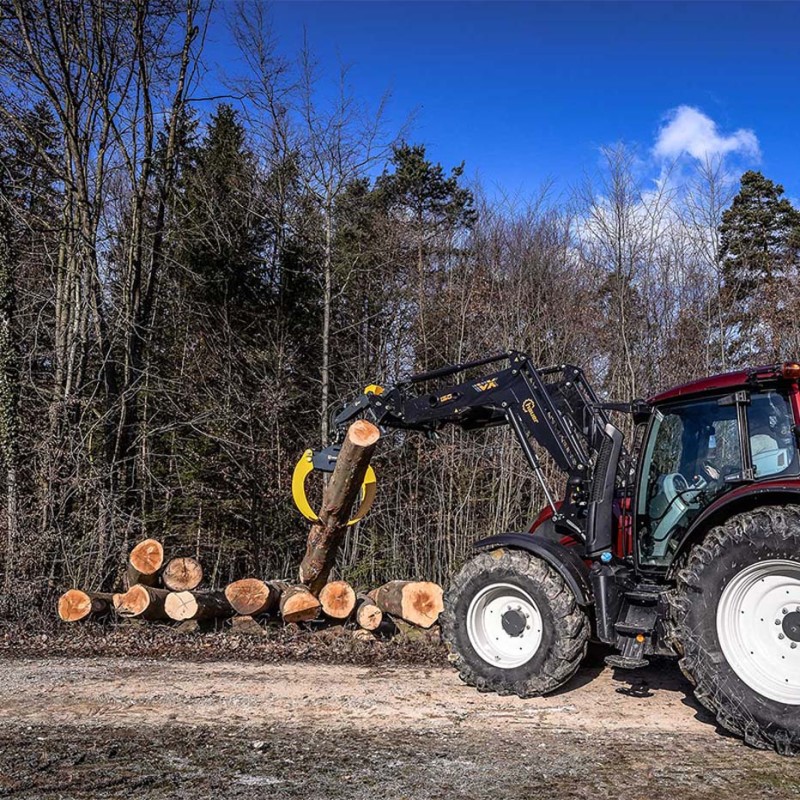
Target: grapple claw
{"type": "Point", "coordinates": [324, 461]}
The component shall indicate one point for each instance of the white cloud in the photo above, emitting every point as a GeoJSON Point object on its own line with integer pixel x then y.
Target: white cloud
{"type": "Point", "coordinates": [689, 130]}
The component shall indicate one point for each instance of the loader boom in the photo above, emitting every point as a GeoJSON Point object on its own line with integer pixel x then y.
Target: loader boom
{"type": "Point", "coordinates": [554, 408]}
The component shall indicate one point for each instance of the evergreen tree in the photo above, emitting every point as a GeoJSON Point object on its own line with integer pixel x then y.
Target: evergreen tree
{"type": "Point", "coordinates": [226, 236]}
{"type": "Point", "coordinates": [760, 244]}
{"type": "Point", "coordinates": [433, 211]}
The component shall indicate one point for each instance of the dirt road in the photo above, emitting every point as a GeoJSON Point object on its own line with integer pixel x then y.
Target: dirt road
{"type": "Point", "coordinates": [108, 727]}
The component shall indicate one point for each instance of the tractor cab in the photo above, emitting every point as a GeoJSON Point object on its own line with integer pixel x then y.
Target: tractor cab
{"type": "Point", "coordinates": [703, 441]}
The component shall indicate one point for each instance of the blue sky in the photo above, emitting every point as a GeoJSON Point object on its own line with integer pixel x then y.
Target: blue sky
{"type": "Point", "coordinates": [526, 92]}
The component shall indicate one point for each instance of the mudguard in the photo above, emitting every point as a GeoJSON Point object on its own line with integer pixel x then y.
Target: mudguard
{"type": "Point", "coordinates": [564, 560]}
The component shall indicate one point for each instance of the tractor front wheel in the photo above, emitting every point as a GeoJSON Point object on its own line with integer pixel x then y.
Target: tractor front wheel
{"type": "Point", "coordinates": [512, 625]}
{"type": "Point", "coordinates": [737, 619]}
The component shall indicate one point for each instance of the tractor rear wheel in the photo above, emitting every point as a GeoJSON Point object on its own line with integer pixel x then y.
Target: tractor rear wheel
{"type": "Point", "coordinates": [512, 625]}
{"type": "Point", "coordinates": [737, 620]}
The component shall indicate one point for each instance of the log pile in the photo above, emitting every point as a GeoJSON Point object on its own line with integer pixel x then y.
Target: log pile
{"type": "Point", "coordinates": [248, 603]}
{"type": "Point", "coordinates": [172, 591]}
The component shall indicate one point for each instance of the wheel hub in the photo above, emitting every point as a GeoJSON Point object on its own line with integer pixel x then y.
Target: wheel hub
{"type": "Point", "coordinates": [504, 625]}
{"type": "Point", "coordinates": [514, 622]}
{"type": "Point", "coordinates": [758, 626]}
{"type": "Point", "coordinates": [791, 626]}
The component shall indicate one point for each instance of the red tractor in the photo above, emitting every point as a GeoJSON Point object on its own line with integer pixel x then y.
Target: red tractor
{"type": "Point", "coordinates": [686, 542]}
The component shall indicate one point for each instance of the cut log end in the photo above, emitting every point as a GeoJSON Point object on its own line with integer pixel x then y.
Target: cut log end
{"type": "Point", "coordinates": [251, 596]}
{"type": "Point", "coordinates": [180, 606]}
{"type": "Point", "coordinates": [368, 615]}
{"type": "Point", "coordinates": [132, 603]}
{"type": "Point", "coordinates": [182, 574]}
{"type": "Point", "coordinates": [147, 557]}
{"type": "Point", "coordinates": [417, 602]}
{"type": "Point", "coordinates": [141, 601]}
{"type": "Point", "coordinates": [363, 433]}
{"type": "Point", "coordinates": [299, 605]}
{"type": "Point", "coordinates": [197, 605]}
{"type": "Point", "coordinates": [422, 603]}
{"type": "Point", "coordinates": [75, 605]}
{"type": "Point", "coordinates": [337, 599]}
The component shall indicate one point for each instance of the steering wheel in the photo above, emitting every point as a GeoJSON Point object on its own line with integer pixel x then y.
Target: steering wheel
{"type": "Point", "coordinates": [679, 483]}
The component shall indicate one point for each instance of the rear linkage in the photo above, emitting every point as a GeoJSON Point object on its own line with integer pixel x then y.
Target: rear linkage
{"type": "Point", "coordinates": [554, 408]}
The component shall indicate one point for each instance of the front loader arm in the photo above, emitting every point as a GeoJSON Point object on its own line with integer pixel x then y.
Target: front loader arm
{"type": "Point", "coordinates": [553, 407]}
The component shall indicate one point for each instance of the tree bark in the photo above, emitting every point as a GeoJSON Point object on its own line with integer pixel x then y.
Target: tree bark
{"type": "Point", "coordinates": [75, 605]}
{"type": "Point", "coordinates": [250, 596]}
{"type": "Point", "coordinates": [298, 604]}
{"type": "Point", "coordinates": [182, 574]}
{"type": "Point", "coordinates": [368, 615]}
{"type": "Point", "coordinates": [144, 563]}
{"type": "Point", "coordinates": [195, 605]}
{"type": "Point", "coordinates": [417, 602]}
{"type": "Point", "coordinates": [338, 498]}
{"type": "Point", "coordinates": [143, 602]}
{"type": "Point", "coordinates": [338, 600]}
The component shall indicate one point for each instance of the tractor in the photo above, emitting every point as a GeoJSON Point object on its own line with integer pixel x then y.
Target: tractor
{"type": "Point", "coordinates": [683, 542]}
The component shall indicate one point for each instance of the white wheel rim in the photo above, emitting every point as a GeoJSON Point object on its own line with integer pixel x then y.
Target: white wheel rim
{"type": "Point", "coordinates": [504, 625]}
{"type": "Point", "coordinates": [757, 626]}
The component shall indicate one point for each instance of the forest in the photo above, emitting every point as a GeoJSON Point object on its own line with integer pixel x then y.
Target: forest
{"type": "Point", "coordinates": [189, 286]}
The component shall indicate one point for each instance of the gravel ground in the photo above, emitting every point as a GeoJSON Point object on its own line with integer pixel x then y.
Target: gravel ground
{"type": "Point", "coordinates": [113, 727]}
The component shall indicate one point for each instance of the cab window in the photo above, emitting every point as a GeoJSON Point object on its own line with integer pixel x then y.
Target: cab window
{"type": "Point", "coordinates": [771, 429]}
{"type": "Point", "coordinates": [693, 455]}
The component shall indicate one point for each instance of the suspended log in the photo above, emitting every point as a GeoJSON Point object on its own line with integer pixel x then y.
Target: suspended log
{"type": "Point", "coordinates": [417, 602]}
{"type": "Point", "coordinates": [142, 602]}
{"type": "Point", "coordinates": [337, 503]}
{"type": "Point", "coordinates": [196, 605]}
{"type": "Point", "coordinates": [298, 604]}
{"type": "Point", "coordinates": [368, 615]}
{"type": "Point", "coordinates": [144, 562]}
{"type": "Point", "coordinates": [337, 599]}
{"type": "Point", "coordinates": [75, 605]}
{"type": "Point", "coordinates": [182, 574]}
{"type": "Point", "coordinates": [250, 596]}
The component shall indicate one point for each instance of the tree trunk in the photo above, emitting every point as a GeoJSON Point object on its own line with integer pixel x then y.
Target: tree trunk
{"type": "Point", "coordinates": [368, 615]}
{"type": "Point", "coordinates": [250, 596]}
{"type": "Point", "coordinates": [76, 605]}
{"type": "Point", "coordinates": [144, 563]}
{"type": "Point", "coordinates": [417, 602]}
{"type": "Point", "coordinates": [338, 498]}
{"type": "Point", "coordinates": [9, 391]}
{"type": "Point", "coordinates": [143, 602]}
{"type": "Point", "coordinates": [182, 574]}
{"type": "Point", "coordinates": [337, 599]}
{"type": "Point", "coordinates": [195, 605]}
{"type": "Point", "coordinates": [299, 605]}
